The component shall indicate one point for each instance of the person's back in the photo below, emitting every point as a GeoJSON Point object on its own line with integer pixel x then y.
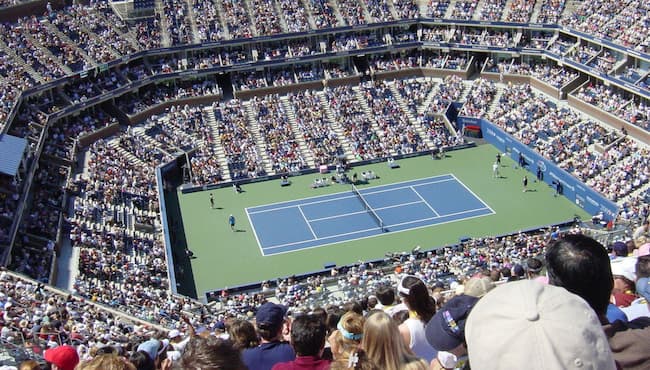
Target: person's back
{"type": "Point", "coordinates": [272, 350]}
{"type": "Point", "coordinates": [308, 334]}
{"type": "Point", "coordinates": [582, 266]}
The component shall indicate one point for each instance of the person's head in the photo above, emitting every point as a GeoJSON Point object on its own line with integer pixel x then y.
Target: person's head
{"type": "Point", "coordinates": [446, 330]}
{"type": "Point", "coordinates": [534, 267]}
{"type": "Point", "coordinates": [142, 361]}
{"type": "Point", "coordinates": [269, 319]}
{"type": "Point", "coordinates": [385, 295]}
{"type": "Point", "coordinates": [29, 365]}
{"type": "Point", "coordinates": [347, 336]}
{"type": "Point", "coordinates": [527, 324]}
{"type": "Point", "coordinates": [106, 362]}
{"type": "Point", "coordinates": [643, 276]}
{"type": "Point", "coordinates": [210, 353]}
{"type": "Point", "coordinates": [416, 297]}
{"type": "Point", "coordinates": [242, 334]}
{"type": "Point", "coordinates": [581, 265]}
{"type": "Point", "coordinates": [478, 286]}
{"type": "Point", "coordinates": [62, 357]}
{"type": "Point", "coordinates": [383, 342]}
{"type": "Point", "coordinates": [308, 334]}
{"type": "Point", "coordinates": [152, 348]}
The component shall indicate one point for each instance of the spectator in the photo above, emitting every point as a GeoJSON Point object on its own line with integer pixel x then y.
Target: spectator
{"type": "Point", "coordinates": [581, 265]}
{"type": "Point", "coordinates": [211, 353]}
{"type": "Point", "coordinates": [106, 362]}
{"type": "Point", "coordinates": [308, 334]}
{"type": "Point", "coordinates": [640, 308]}
{"type": "Point", "coordinates": [385, 345]}
{"type": "Point", "coordinates": [386, 296]}
{"type": "Point", "coordinates": [29, 365]}
{"type": "Point", "coordinates": [446, 332]}
{"type": "Point", "coordinates": [536, 326]}
{"type": "Point", "coordinates": [142, 361]}
{"type": "Point", "coordinates": [270, 321]}
{"type": "Point", "coordinates": [242, 334]}
{"type": "Point", "coordinates": [62, 357]}
{"type": "Point", "coordinates": [422, 307]}
{"type": "Point", "coordinates": [345, 340]}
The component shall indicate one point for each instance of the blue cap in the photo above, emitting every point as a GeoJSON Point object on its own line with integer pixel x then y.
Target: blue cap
{"type": "Point", "coordinates": [270, 314]}
{"type": "Point", "coordinates": [446, 329]}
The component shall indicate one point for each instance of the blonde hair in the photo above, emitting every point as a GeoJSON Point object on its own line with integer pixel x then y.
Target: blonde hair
{"type": "Point", "coordinates": [106, 362]}
{"type": "Point", "coordinates": [385, 346]}
{"type": "Point", "coordinates": [351, 322]}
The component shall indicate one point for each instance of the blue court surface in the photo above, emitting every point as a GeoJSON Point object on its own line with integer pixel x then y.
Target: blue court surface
{"type": "Point", "coordinates": [313, 222]}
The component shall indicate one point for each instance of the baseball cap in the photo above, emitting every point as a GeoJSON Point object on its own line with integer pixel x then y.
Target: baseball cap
{"type": "Point", "coordinates": [174, 333]}
{"type": "Point", "coordinates": [270, 314]}
{"type": "Point", "coordinates": [446, 329]}
{"type": "Point", "coordinates": [536, 326]}
{"type": "Point", "coordinates": [64, 357]}
{"type": "Point", "coordinates": [478, 286]}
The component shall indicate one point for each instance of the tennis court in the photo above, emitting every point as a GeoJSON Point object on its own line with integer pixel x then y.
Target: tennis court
{"type": "Point", "coordinates": [362, 213]}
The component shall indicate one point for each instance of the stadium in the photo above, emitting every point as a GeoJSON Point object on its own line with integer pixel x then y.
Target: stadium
{"type": "Point", "coordinates": [173, 165]}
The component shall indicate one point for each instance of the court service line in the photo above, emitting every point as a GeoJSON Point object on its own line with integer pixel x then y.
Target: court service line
{"type": "Point", "coordinates": [363, 211]}
{"type": "Point", "coordinates": [433, 218]}
{"type": "Point", "coordinates": [376, 228]}
{"type": "Point", "coordinates": [375, 235]}
{"type": "Point", "coordinates": [401, 187]}
{"type": "Point", "coordinates": [306, 204]}
{"type": "Point", "coordinates": [425, 201]}
{"type": "Point", "coordinates": [474, 194]}
{"type": "Point", "coordinates": [325, 238]}
{"type": "Point", "coordinates": [307, 222]}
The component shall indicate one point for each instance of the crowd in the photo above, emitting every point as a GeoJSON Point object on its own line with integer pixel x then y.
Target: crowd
{"type": "Point", "coordinates": [624, 23]}
{"type": "Point", "coordinates": [316, 128]}
{"type": "Point", "coordinates": [122, 260]}
{"type": "Point", "coordinates": [479, 98]}
{"type": "Point", "coordinates": [367, 318]}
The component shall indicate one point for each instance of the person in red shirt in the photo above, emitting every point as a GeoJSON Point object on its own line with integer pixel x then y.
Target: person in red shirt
{"type": "Point", "coordinates": [308, 334]}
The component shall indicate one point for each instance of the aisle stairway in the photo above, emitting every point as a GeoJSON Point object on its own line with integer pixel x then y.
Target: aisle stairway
{"type": "Point", "coordinates": [217, 147]}
{"type": "Point", "coordinates": [297, 132]}
{"type": "Point", "coordinates": [337, 127]}
{"type": "Point", "coordinates": [258, 136]}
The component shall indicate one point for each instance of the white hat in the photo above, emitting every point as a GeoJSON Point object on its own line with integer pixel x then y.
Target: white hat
{"type": "Point", "coordinates": [525, 324]}
{"type": "Point", "coordinates": [174, 333]}
{"type": "Point", "coordinates": [624, 266]}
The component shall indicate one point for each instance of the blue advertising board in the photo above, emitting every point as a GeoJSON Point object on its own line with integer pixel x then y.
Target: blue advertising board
{"type": "Point", "coordinates": [573, 189]}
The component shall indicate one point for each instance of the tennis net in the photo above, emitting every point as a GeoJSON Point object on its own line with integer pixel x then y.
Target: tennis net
{"type": "Point", "coordinates": [369, 209]}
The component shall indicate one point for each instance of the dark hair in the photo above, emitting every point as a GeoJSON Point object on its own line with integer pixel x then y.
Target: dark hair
{"type": "Point", "coordinates": [353, 306]}
{"type": "Point", "coordinates": [534, 265]}
{"type": "Point", "coordinates": [210, 353]}
{"type": "Point", "coordinates": [418, 299]}
{"type": "Point", "coordinates": [581, 265]}
{"type": "Point", "coordinates": [643, 267]}
{"type": "Point", "coordinates": [385, 295]}
{"type": "Point", "coordinates": [142, 361]}
{"type": "Point", "coordinates": [308, 335]}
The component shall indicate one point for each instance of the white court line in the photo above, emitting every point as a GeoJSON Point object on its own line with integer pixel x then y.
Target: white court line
{"type": "Point", "coordinates": [377, 228]}
{"type": "Point", "coordinates": [308, 224]}
{"type": "Point", "coordinates": [325, 238]}
{"type": "Point", "coordinates": [474, 194]}
{"type": "Point", "coordinates": [345, 197]}
{"type": "Point", "coordinates": [363, 211]}
{"type": "Point", "coordinates": [250, 222]}
{"type": "Point", "coordinates": [343, 192]}
{"type": "Point", "coordinates": [425, 202]}
{"type": "Point", "coordinates": [433, 218]}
